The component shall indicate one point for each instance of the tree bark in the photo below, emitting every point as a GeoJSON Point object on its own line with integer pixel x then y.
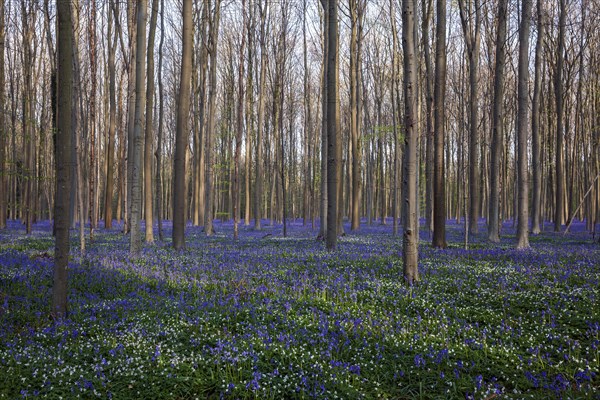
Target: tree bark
{"type": "Point", "coordinates": [212, 118]}
{"type": "Point", "coordinates": [558, 94]}
{"type": "Point", "coordinates": [92, 120]}
{"type": "Point", "coordinates": [239, 130]}
{"type": "Point", "coordinates": [131, 98]}
{"type": "Point", "coordinates": [108, 199]}
{"type": "Point", "coordinates": [324, 118]}
{"type": "Point", "coordinates": [158, 153]}
{"type": "Point", "coordinates": [258, 191]}
{"type": "Point", "coordinates": [135, 240]}
{"type": "Point", "coordinates": [497, 116]}
{"type": "Point", "coordinates": [63, 159]}
{"type": "Point", "coordinates": [410, 253]}
{"type": "Point", "coordinates": [429, 151]}
{"type": "Point", "coordinates": [522, 124]}
{"type": "Point", "coordinates": [3, 130]}
{"type": "Point", "coordinates": [149, 137]}
{"type": "Point", "coordinates": [535, 126]}
{"type": "Point", "coordinates": [333, 142]}
{"type": "Point", "coordinates": [439, 197]}
{"type": "Point", "coordinates": [250, 27]}
{"type": "Point", "coordinates": [356, 14]}
{"type": "Point", "coordinates": [471, 31]}
{"type": "Point", "coordinates": [181, 135]}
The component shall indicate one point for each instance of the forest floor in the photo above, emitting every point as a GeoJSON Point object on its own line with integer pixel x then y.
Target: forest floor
{"type": "Point", "coordinates": [272, 317]}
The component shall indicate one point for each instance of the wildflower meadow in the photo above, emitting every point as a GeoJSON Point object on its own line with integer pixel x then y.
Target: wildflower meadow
{"type": "Point", "coordinates": [268, 317]}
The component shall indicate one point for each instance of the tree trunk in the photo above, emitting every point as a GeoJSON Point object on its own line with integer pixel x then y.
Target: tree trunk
{"type": "Point", "coordinates": [333, 142]}
{"type": "Point", "coordinates": [108, 199]}
{"type": "Point", "coordinates": [158, 153]}
{"type": "Point", "coordinates": [324, 220]}
{"type": "Point", "coordinates": [181, 135]}
{"type": "Point", "coordinates": [558, 94]}
{"type": "Point", "coordinates": [78, 125]}
{"type": "Point", "coordinates": [356, 12]}
{"type": "Point", "coordinates": [472, 40]}
{"type": "Point", "coordinates": [63, 157]}
{"type": "Point", "coordinates": [212, 118]}
{"type": "Point", "coordinates": [439, 200]}
{"type": "Point", "coordinates": [410, 253]}
{"type": "Point", "coordinates": [429, 167]}
{"type": "Point", "coordinates": [239, 130]}
{"type": "Point", "coordinates": [535, 126]}
{"type": "Point", "coordinates": [250, 27]}
{"type": "Point", "coordinates": [497, 115]}
{"type": "Point", "coordinates": [92, 121]}
{"type": "Point", "coordinates": [135, 240]}
{"type": "Point", "coordinates": [395, 177]}
{"type": "Point", "coordinates": [27, 17]}
{"type": "Point", "coordinates": [522, 124]}
{"type": "Point", "coordinates": [149, 137]}
{"type": "Point", "coordinates": [131, 98]}
{"type": "Point", "coordinates": [307, 191]}
{"type": "Point", "coordinates": [3, 130]}
{"type": "Point", "coordinates": [258, 190]}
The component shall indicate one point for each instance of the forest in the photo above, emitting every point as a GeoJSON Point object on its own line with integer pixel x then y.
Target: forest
{"type": "Point", "coordinates": [260, 199]}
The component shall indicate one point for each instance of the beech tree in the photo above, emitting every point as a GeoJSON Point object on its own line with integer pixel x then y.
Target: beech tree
{"type": "Point", "coordinates": [522, 127]}
{"type": "Point", "coordinates": [558, 97]}
{"type": "Point", "coordinates": [536, 217]}
{"type": "Point", "coordinates": [410, 241]}
{"type": "Point", "coordinates": [149, 135]}
{"type": "Point", "coordinates": [62, 198]}
{"type": "Point", "coordinates": [439, 188]}
{"type": "Point", "coordinates": [135, 240]}
{"type": "Point", "coordinates": [471, 31]}
{"type": "Point", "coordinates": [333, 142]}
{"type": "Point", "coordinates": [212, 117]}
{"type": "Point", "coordinates": [3, 130]}
{"type": "Point", "coordinates": [497, 112]}
{"type": "Point", "coordinates": [181, 136]}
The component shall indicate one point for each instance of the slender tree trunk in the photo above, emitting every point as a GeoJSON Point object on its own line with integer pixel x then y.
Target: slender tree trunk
{"type": "Point", "coordinates": [324, 220]}
{"type": "Point", "coordinates": [3, 130]}
{"type": "Point", "coordinates": [27, 115]}
{"type": "Point", "coordinates": [307, 192]}
{"type": "Point", "coordinates": [250, 27]}
{"type": "Point", "coordinates": [522, 124]}
{"type": "Point", "coordinates": [239, 130]}
{"type": "Point", "coordinates": [439, 200]}
{"type": "Point", "coordinates": [158, 153]}
{"type": "Point", "coordinates": [558, 94]}
{"type": "Point", "coordinates": [108, 199]}
{"type": "Point", "coordinates": [135, 240]}
{"type": "Point", "coordinates": [472, 40]}
{"type": "Point", "coordinates": [149, 137]}
{"type": "Point", "coordinates": [92, 122]}
{"type": "Point", "coordinates": [410, 7]}
{"type": "Point", "coordinates": [200, 154]}
{"type": "Point", "coordinates": [333, 142]}
{"type": "Point", "coordinates": [131, 97]}
{"type": "Point", "coordinates": [410, 254]}
{"type": "Point", "coordinates": [77, 196]}
{"type": "Point", "coordinates": [497, 113]}
{"type": "Point", "coordinates": [535, 126]}
{"type": "Point", "coordinates": [258, 191]}
{"type": "Point", "coordinates": [356, 11]}
{"type": "Point", "coordinates": [212, 118]}
{"type": "Point", "coordinates": [63, 157]}
{"type": "Point", "coordinates": [181, 135]}
{"type": "Point", "coordinates": [429, 165]}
